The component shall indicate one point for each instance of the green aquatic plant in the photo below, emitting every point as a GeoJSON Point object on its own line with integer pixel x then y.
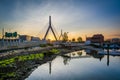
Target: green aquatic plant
{"type": "Point", "coordinates": [12, 74]}
{"type": "Point", "coordinates": [55, 51]}
{"type": "Point", "coordinates": [79, 53]}
{"type": "Point", "coordinates": [7, 75]}
{"type": "Point", "coordinates": [4, 63]}
{"type": "Point", "coordinates": [43, 45]}
{"type": "Point", "coordinates": [12, 61]}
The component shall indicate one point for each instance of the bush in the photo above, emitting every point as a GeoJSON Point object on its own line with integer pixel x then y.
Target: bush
{"type": "Point", "coordinates": [55, 51]}
{"type": "Point", "coordinates": [50, 44]}
{"type": "Point", "coordinates": [43, 45]}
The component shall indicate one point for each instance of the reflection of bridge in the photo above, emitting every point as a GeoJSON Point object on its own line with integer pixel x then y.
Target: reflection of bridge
{"type": "Point", "coordinates": [76, 57]}
{"type": "Point", "coordinates": [67, 58]}
{"type": "Point", "coordinates": [50, 68]}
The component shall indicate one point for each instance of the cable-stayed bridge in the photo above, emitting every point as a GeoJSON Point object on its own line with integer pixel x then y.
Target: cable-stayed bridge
{"type": "Point", "coordinates": [48, 31]}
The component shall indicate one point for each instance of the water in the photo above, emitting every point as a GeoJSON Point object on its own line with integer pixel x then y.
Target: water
{"type": "Point", "coordinates": [79, 66]}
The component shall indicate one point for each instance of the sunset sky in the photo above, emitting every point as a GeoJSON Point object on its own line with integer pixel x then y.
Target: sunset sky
{"type": "Point", "coordinates": [78, 17]}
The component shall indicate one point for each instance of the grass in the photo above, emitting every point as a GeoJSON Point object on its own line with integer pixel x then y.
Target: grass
{"type": "Point", "coordinates": [11, 61]}
{"type": "Point", "coordinates": [43, 45]}
{"type": "Point", "coordinates": [6, 75]}
{"type": "Point", "coordinates": [31, 57]}
{"type": "Point", "coordinates": [55, 51]}
{"type": "Point", "coordinates": [12, 74]}
{"type": "Point", "coordinates": [7, 62]}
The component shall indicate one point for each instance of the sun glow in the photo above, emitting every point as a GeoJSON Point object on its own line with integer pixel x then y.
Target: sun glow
{"type": "Point", "coordinates": [84, 20]}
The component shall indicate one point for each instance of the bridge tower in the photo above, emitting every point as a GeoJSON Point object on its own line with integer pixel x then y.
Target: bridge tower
{"type": "Point", "coordinates": [50, 27]}
{"type": "Point", "coordinates": [61, 35]}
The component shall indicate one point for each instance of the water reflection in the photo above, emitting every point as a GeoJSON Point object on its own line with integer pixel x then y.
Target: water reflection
{"type": "Point", "coordinates": [78, 65]}
{"type": "Point", "coordinates": [50, 63]}
{"type": "Point", "coordinates": [89, 53]}
{"type": "Point", "coordinates": [70, 66]}
{"type": "Point", "coordinates": [73, 55]}
{"type": "Point", "coordinates": [108, 59]}
{"type": "Point", "coordinates": [96, 55]}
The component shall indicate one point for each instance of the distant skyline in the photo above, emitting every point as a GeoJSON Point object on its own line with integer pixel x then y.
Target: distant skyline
{"type": "Point", "coordinates": [78, 17]}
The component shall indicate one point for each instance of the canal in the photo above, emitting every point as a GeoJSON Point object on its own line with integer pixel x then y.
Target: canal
{"type": "Point", "coordinates": [79, 65]}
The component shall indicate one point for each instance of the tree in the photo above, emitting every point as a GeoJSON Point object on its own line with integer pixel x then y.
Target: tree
{"type": "Point", "coordinates": [73, 39]}
{"type": "Point", "coordinates": [65, 36]}
{"type": "Point", "coordinates": [79, 39]}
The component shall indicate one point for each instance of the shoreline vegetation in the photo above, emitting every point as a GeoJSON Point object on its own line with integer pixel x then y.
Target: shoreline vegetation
{"type": "Point", "coordinates": [18, 64]}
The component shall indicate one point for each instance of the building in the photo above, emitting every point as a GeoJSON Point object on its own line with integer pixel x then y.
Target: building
{"type": "Point", "coordinates": [25, 38]}
{"type": "Point", "coordinates": [115, 40]}
{"type": "Point", "coordinates": [96, 38]}
{"type": "Point", "coordinates": [35, 38]}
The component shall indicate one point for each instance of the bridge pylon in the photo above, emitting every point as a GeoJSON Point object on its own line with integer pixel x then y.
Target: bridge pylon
{"type": "Point", "coordinates": [50, 27]}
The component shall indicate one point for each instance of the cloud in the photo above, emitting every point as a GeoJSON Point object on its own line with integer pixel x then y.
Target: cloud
{"type": "Point", "coordinates": [64, 15]}
{"type": "Point", "coordinates": [72, 16]}
{"type": "Point", "coordinates": [116, 35]}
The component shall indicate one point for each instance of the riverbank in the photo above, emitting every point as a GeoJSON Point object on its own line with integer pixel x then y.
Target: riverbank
{"type": "Point", "coordinates": [33, 50]}
{"type": "Point", "coordinates": [16, 65]}
{"type": "Point", "coordinates": [25, 51]}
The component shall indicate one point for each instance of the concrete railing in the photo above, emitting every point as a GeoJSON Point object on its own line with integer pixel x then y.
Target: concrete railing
{"type": "Point", "coordinates": [10, 45]}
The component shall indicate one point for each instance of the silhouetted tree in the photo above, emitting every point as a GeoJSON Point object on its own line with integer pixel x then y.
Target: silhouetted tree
{"type": "Point", "coordinates": [65, 36]}
{"type": "Point", "coordinates": [73, 39]}
{"type": "Point", "coordinates": [79, 39]}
